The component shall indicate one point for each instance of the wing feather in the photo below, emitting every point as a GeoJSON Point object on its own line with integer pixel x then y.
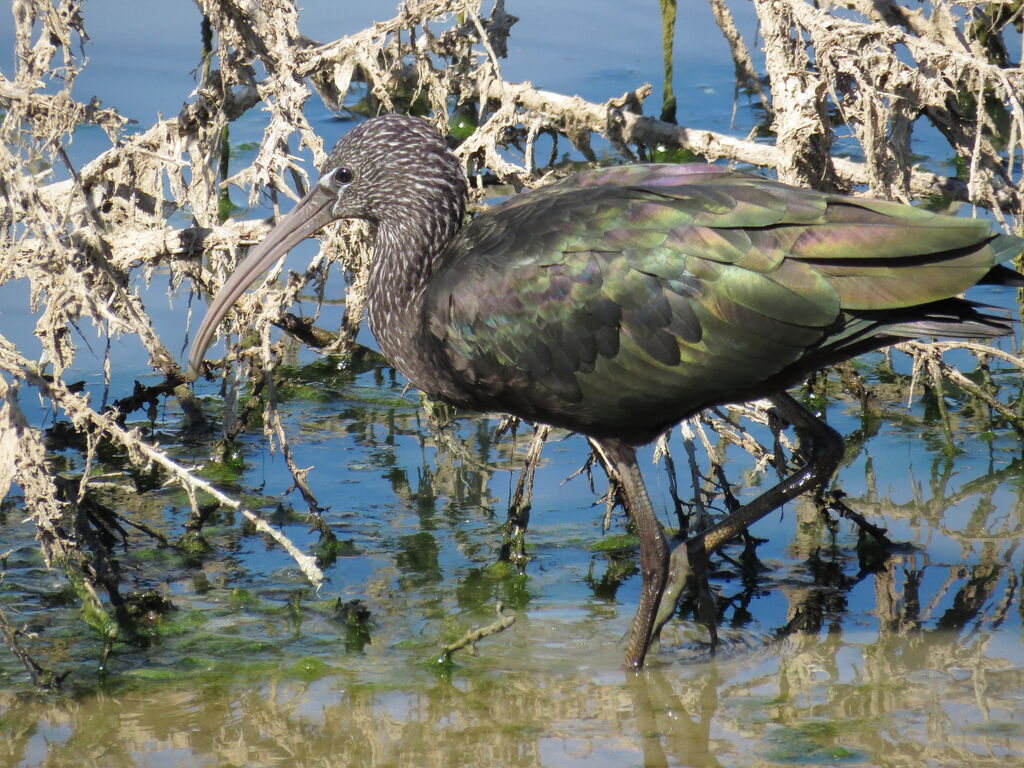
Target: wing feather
{"type": "Point", "coordinates": [638, 295]}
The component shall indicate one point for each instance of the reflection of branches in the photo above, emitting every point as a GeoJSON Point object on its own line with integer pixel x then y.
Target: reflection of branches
{"type": "Point", "coordinates": [930, 510]}
{"type": "Point", "coordinates": [42, 677]}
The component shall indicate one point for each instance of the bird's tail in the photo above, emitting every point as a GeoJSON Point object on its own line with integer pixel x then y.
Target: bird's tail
{"type": "Point", "coordinates": [953, 319]}
{"type": "Point", "coordinates": [1004, 248]}
{"type": "Point", "coordinates": [962, 319]}
{"type": "Point", "coordinates": [1000, 275]}
{"type": "Point", "coordinates": [864, 330]}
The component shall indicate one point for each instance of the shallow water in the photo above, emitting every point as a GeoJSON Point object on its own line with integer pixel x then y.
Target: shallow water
{"type": "Point", "coordinates": [834, 654]}
{"type": "Point", "coordinates": [829, 656]}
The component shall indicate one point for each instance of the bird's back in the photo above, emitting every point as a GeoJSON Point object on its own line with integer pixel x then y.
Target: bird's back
{"type": "Point", "coordinates": [621, 300]}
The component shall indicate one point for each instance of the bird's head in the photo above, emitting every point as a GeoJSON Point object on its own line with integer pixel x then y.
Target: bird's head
{"type": "Point", "coordinates": [391, 170]}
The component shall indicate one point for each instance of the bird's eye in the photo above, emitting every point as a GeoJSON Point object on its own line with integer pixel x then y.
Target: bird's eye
{"type": "Point", "coordinates": [341, 177]}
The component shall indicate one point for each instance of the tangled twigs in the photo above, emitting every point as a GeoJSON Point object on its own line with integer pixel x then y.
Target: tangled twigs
{"type": "Point", "coordinates": [87, 420]}
{"type": "Point", "coordinates": [880, 95]}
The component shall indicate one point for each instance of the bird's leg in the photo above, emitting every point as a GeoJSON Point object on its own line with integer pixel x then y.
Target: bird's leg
{"type": "Point", "coordinates": [823, 448]}
{"type": "Point", "coordinates": [620, 460]}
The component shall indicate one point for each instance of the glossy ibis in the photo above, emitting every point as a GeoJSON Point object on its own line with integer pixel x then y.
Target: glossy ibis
{"type": "Point", "coordinates": [619, 301]}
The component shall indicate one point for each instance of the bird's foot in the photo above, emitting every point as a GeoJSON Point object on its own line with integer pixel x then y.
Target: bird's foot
{"type": "Point", "coordinates": [687, 569]}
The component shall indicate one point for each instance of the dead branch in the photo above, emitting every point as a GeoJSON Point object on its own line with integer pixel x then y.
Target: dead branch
{"type": "Point", "coordinates": [746, 73]}
{"type": "Point", "coordinates": [471, 638]}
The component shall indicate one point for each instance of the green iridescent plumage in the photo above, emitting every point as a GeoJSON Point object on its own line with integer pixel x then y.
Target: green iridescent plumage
{"type": "Point", "coordinates": [620, 301]}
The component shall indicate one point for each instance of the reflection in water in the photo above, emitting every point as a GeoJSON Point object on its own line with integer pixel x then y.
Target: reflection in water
{"type": "Point", "coordinates": [914, 699]}
{"type": "Point", "coordinates": [833, 652]}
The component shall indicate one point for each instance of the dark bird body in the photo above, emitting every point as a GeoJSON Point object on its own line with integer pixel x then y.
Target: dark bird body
{"type": "Point", "coordinates": [617, 302]}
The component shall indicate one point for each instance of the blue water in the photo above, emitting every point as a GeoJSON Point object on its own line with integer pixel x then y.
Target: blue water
{"type": "Point", "coordinates": [426, 526]}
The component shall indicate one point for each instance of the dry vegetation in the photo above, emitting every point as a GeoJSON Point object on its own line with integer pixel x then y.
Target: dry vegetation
{"type": "Point", "coordinates": [80, 245]}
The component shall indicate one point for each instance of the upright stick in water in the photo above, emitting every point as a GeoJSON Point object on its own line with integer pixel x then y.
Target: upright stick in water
{"type": "Point", "coordinates": [617, 302]}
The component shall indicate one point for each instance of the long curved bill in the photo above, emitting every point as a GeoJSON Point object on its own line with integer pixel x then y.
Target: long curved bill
{"type": "Point", "coordinates": [311, 214]}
